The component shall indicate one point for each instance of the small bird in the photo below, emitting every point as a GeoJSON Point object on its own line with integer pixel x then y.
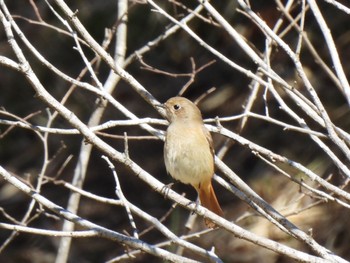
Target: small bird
{"type": "Point", "coordinates": [189, 153]}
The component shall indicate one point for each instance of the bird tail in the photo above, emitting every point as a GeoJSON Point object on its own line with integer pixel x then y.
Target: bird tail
{"type": "Point", "coordinates": [208, 199]}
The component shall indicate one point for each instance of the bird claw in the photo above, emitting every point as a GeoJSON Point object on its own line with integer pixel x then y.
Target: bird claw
{"type": "Point", "coordinates": [197, 204]}
{"type": "Point", "coordinates": [166, 188]}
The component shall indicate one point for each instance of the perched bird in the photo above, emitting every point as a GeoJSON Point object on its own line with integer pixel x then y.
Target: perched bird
{"type": "Point", "coordinates": [189, 153]}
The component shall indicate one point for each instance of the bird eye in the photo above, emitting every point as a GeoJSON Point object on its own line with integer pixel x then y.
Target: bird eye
{"type": "Point", "coordinates": [176, 107]}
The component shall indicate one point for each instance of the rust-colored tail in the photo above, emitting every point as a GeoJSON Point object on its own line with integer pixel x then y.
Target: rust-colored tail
{"type": "Point", "coordinates": [208, 199]}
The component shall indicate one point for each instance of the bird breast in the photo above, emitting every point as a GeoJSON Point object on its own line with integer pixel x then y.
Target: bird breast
{"type": "Point", "coordinates": [187, 154]}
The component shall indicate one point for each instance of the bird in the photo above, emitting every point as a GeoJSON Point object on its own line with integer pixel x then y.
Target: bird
{"type": "Point", "coordinates": [189, 152]}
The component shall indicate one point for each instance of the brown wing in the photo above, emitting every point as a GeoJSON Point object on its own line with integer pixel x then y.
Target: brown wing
{"type": "Point", "coordinates": [209, 139]}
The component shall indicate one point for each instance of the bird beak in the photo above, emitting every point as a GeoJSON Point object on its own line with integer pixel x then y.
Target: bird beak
{"type": "Point", "coordinates": [162, 109]}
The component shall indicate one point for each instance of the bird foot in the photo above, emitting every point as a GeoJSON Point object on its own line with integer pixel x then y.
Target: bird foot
{"type": "Point", "coordinates": [166, 188]}
{"type": "Point", "coordinates": [197, 204]}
